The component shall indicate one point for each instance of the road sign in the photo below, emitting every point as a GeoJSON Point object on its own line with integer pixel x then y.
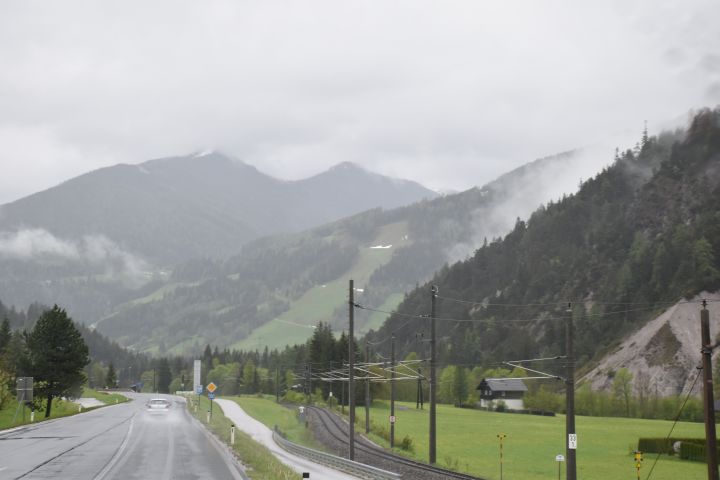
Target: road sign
{"type": "Point", "coordinates": [25, 389]}
{"type": "Point", "coordinates": [196, 376]}
{"type": "Point", "coordinates": [392, 418]}
{"type": "Point", "coordinates": [211, 387]}
{"type": "Point", "coordinates": [559, 458]}
{"type": "Point", "coordinates": [572, 441]}
{"type": "Point", "coordinates": [211, 396]}
{"type": "Point", "coordinates": [198, 389]}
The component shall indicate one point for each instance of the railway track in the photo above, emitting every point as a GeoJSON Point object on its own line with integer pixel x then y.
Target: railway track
{"type": "Point", "coordinates": [338, 430]}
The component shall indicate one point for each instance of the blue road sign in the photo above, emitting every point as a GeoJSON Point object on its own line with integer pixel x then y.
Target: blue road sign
{"type": "Point", "coordinates": [211, 396]}
{"type": "Point", "coordinates": [198, 389]}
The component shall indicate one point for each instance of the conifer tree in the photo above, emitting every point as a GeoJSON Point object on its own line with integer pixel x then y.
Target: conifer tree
{"type": "Point", "coordinates": [57, 355]}
{"type": "Point", "coordinates": [111, 378]}
{"type": "Point", "coordinates": [5, 334]}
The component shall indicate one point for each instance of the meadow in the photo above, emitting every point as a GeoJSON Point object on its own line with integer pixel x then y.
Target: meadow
{"type": "Point", "coordinates": [467, 440]}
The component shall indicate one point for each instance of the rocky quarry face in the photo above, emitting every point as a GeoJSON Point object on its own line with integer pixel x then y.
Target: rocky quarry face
{"type": "Point", "coordinates": [663, 355]}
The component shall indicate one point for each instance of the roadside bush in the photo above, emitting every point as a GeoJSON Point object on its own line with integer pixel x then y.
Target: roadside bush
{"type": "Point", "coordinates": [407, 444]}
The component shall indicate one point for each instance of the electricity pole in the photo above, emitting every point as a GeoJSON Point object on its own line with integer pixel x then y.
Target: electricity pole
{"type": "Point", "coordinates": [351, 361]}
{"type": "Point", "coordinates": [433, 378]}
{"type": "Point", "coordinates": [571, 439]}
{"type": "Point", "coordinates": [392, 390]}
{"type": "Point", "coordinates": [708, 403]}
{"type": "Point", "coordinates": [367, 389]}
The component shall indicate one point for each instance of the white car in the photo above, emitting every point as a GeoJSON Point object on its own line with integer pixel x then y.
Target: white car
{"type": "Point", "coordinates": [158, 405]}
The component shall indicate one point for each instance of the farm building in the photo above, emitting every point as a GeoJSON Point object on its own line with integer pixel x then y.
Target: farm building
{"type": "Point", "coordinates": [509, 390]}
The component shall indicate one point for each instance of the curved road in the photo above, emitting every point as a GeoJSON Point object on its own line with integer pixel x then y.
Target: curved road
{"type": "Point", "coordinates": [117, 442]}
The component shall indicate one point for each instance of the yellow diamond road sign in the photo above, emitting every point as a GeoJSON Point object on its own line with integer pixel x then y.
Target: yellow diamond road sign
{"type": "Point", "coordinates": [211, 387]}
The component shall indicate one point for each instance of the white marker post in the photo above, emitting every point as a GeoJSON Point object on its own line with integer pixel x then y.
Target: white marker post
{"type": "Point", "coordinates": [232, 434]}
{"type": "Point", "coordinates": [559, 459]}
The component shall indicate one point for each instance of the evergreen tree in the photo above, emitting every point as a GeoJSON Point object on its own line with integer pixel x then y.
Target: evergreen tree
{"type": "Point", "coordinates": [111, 378]}
{"type": "Point", "coordinates": [164, 377]}
{"type": "Point", "coordinates": [57, 355]}
{"type": "Point", "coordinates": [5, 334]}
{"type": "Point", "coordinates": [249, 376]}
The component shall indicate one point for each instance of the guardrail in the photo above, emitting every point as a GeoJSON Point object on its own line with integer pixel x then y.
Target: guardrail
{"type": "Point", "coordinates": [343, 464]}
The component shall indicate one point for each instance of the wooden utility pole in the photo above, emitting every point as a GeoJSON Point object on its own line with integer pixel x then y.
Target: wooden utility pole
{"type": "Point", "coordinates": [392, 390]}
{"type": "Point", "coordinates": [367, 389]}
{"type": "Point", "coordinates": [351, 361]}
{"type": "Point", "coordinates": [708, 402]}
{"type": "Point", "coordinates": [433, 379]}
{"type": "Point", "coordinates": [571, 437]}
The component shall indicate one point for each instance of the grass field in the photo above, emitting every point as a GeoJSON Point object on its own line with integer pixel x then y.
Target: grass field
{"type": "Point", "coordinates": [263, 465]}
{"type": "Point", "coordinates": [319, 303]}
{"type": "Point", "coordinates": [467, 439]}
{"type": "Point", "coordinates": [60, 409]}
{"type": "Point", "coordinates": [270, 413]}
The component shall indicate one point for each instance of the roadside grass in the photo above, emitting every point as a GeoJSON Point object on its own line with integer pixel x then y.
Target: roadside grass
{"type": "Point", "coordinates": [266, 411]}
{"type": "Point", "coordinates": [106, 397]}
{"type": "Point", "coordinates": [60, 408]}
{"type": "Point", "coordinates": [260, 463]}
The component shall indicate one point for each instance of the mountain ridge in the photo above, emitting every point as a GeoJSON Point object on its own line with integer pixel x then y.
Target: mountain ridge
{"type": "Point", "coordinates": [195, 204]}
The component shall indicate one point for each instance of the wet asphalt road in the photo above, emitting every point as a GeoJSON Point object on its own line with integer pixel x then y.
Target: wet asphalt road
{"type": "Point", "coordinates": [117, 442]}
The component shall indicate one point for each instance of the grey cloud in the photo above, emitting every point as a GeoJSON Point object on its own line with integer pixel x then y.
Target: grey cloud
{"type": "Point", "coordinates": [450, 95]}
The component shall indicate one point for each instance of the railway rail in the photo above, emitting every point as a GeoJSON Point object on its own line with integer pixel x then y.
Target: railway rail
{"type": "Point", "coordinates": [373, 454]}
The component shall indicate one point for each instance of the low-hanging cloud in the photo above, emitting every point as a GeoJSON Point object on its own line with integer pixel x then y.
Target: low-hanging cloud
{"type": "Point", "coordinates": [39, 245]}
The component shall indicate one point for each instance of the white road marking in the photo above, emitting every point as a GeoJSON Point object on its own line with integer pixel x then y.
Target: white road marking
{"type": "Point", "coordinates": [117, 455]}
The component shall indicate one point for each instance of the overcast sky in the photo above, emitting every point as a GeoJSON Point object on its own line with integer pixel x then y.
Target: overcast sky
{"type": "Point", "coordinates": [448, 93]}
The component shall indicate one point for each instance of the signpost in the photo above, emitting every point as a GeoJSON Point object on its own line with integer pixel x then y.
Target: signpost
{"type": "Point", "coordinates": [211, 387]}
{"type": "Point", "coordinates": [24, 395]}
{"type": "Point", "coordinates": [197, 383]}
{"type": "Point", "coordinates": [559, 459]}
{"type": "Point", "coordinates": [501, 437]}
{"type": "Point", "coordinates": [638, 462]}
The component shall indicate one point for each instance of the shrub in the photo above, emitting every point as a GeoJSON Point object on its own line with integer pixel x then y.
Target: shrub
{"type": "Point", "coordinates": [664, 445]}
{"type": "Point", "coordinates": [407, 444]}
{"type": "Point", "coordinates": [692, 451]}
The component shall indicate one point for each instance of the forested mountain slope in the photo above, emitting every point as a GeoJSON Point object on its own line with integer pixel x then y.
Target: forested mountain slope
{"type": "Point", "coordinates": [114, 234]}
{"type": "Point", "coordinates": [637, 237]}
{"type": "Point", "coordinates": [277, 288]}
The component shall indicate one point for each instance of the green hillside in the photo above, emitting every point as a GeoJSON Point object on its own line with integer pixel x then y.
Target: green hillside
{"type": "Point", "coordinates": [322, 302]}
